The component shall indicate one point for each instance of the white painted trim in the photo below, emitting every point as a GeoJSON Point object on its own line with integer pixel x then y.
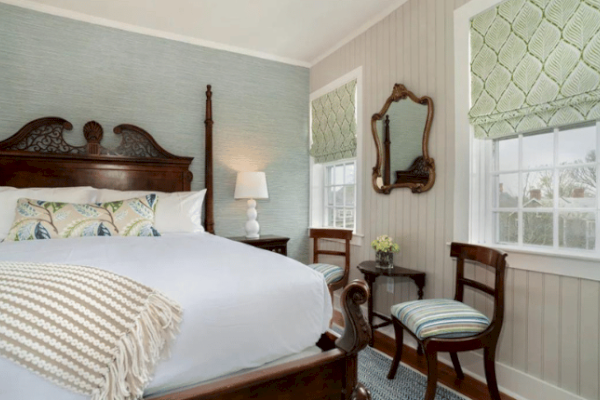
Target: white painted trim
{"type": "Point", "coordinates": [466, 229]}
{"type": "Point", "coordinates": [462, 136]}
{"type": "Point", "coordinates": [357, 239]}
{"type": "Point", "coordinates": [357, 74]}
{"type": "Point", "coordinates": [363, 28]}
{"type": "Point", "coordinates": [60, 12]}
{"type": "Point", "coordinates": [511, 381]}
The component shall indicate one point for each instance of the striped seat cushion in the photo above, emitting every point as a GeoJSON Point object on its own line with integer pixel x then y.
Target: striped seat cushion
{"type": "Point", "coordinates": [332, 273]}
{"type": "Point", "coordinates": [440, 318]}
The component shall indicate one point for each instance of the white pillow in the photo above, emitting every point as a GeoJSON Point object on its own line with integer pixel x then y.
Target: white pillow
{"type": "Point", "coordinates": [10, 195]}
{"type": "Point", "coordinates": [175, 212]}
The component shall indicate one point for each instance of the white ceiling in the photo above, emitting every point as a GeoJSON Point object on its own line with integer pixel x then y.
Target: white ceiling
{"type": "Point", "coordinates": [298, 32]}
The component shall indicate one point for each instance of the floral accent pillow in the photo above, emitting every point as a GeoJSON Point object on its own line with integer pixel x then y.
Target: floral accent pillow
{"type": "Point", "coordinates": [39, 219]}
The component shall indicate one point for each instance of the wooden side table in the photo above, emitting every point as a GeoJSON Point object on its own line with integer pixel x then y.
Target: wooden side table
{"type": "Point", "coordinates": [371, 272]}
{"type": "Point", "coordinates": [275, 243]}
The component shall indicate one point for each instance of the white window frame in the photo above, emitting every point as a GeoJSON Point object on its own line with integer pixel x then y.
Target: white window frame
{"type": "Point", "coordinates": [470, 194]}
{"type": "Point", "coordinates": [326, 186]}
{"type": "Point", "coordinates": [485, 227]}
{"type": "Point", "coordinates": [317, 171]}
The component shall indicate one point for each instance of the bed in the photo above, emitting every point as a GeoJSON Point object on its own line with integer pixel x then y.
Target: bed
{"type": "Point", "coordinates": [298, 363]}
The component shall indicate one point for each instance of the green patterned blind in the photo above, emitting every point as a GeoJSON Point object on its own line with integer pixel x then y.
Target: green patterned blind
{"type": "Point", "coordinates": [535, 64]}
{"type": "Point", "coordinates": [334, 124]}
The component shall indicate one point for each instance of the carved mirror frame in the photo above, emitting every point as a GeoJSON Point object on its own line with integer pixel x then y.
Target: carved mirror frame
{"type": "Point", "coordinates": [420, 176]}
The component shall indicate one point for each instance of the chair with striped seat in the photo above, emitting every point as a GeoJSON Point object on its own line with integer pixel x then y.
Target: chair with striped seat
{"type": "Point", "coordinates": [335, 276]}
{"type": "Point", "coordinates": [442, 325]}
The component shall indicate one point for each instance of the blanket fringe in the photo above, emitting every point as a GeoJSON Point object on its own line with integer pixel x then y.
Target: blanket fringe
{"type": "Point", "coordinates": [138, 351]}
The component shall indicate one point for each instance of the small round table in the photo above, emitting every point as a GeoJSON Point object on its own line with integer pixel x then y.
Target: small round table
{"type": "Point", "coordinates": [371, 272]}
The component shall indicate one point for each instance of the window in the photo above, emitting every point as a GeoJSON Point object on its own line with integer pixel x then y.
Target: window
{"type": "Point", "coordinates": [544, 189]}
{"type": "Point", "coordinates": [335, 143]}
{"type": "Point", "coordinates": [484, 211]}
{"type": "Point", "coordinates": [339, 209]}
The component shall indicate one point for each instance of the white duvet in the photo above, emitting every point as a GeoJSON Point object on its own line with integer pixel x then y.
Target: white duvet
{"type": "Point", "coordinates": [243, 306]}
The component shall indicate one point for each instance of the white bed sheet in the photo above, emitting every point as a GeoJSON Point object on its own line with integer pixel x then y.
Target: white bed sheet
{"type": "Point", "coordinates": [243, 306]}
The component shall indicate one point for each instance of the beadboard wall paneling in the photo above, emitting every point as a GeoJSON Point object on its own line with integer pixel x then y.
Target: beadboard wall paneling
{"type": "Point", "coordinates": [551, 329]}
{"type": "Point", "coordinates": [53, 66]}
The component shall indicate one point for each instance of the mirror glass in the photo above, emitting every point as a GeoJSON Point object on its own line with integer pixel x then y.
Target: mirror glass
{"type": "Point", "coordinates": [401, 133]}
{"type": "Point", "coordinates": [407, 123]}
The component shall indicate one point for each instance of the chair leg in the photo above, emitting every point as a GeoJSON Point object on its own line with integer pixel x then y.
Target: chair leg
{"type": "Point", "coordinates": [431, 374]}
{"type": "Point", "coordinates": [489, 354]}
{"type": "Point", "coordinates": [399, 332]}
{"type": "Point", "coordinates": [457, 368]}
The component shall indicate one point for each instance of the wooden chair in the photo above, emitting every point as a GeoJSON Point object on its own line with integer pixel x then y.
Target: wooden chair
{"type": "Point", "coordinates": [465, 329]}
{"type": "Point", "coordinates": [335, 276]}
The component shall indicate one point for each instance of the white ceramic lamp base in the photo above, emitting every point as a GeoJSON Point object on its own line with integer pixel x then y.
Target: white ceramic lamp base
{"type": "Point", "coordinates": [252, 226]}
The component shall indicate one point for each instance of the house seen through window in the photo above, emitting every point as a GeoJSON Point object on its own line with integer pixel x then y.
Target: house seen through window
{"type": "Point", "coordinates": [545, 189]}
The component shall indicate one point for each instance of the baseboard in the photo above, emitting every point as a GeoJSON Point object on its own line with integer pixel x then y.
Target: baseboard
{"type": "Point", "coordinates": [512, 382]}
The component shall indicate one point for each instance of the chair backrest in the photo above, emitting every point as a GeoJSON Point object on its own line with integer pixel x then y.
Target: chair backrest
{"type": "Point", "coordinates": [486, 256]}
{"type": "Point", "coordinates": [332, 233]}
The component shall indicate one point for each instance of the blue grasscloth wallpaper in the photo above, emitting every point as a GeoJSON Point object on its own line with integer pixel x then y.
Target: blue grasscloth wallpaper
{"type": "Point", "coordinates": [53, 66]}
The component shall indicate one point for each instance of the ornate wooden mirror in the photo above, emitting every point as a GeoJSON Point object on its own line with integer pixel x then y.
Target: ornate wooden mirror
{"type": "Point", "coordinates": [401, 134]}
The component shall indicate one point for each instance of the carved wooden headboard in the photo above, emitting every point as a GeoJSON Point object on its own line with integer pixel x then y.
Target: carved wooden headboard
{"type": "Point", "coordinates": [38, 156]}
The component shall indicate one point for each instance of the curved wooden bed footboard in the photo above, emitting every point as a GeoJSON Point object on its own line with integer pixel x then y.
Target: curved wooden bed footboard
{"type": "Point", "coordinates": [329, 375]}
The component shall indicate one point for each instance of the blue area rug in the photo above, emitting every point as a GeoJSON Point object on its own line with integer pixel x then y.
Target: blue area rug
{"type": "Point", "coordinates": [407, 385]}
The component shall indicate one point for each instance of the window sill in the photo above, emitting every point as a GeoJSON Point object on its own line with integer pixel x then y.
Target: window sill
{"type": "Point", "coordinates": [582, 264]}
{"type": "Point", "coordinates": [568, 254]}
{"type": "Point", "coordinates": [357, 238]}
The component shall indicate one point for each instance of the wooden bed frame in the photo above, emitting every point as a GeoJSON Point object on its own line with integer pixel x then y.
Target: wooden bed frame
{"type": "Point", "coordinates": [38, 156]}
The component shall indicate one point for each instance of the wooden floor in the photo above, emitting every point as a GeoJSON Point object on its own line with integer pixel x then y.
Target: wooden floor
{"type": "Point", "coordinates": [469, 387]}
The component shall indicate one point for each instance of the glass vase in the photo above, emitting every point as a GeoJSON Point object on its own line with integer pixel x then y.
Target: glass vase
{"type": "Point", "coordinates": [385, 259]}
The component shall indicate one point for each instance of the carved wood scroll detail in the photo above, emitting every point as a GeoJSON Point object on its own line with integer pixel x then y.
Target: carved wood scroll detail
{"type": "Point", "coordinates": [357, 333]}
{"type": "Point", "coordinates": [45, 135]}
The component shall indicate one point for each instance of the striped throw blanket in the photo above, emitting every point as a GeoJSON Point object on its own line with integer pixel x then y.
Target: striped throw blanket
{"type": "Point", "coordinates": [86, 329]}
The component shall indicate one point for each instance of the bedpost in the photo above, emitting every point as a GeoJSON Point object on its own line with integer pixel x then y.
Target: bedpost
{"type": "Point", "coordinates": [209, 220]}
{"type": "Point", "coordinates": [356, 336]}
{"type": "Point", "coordinates": [357, 332]}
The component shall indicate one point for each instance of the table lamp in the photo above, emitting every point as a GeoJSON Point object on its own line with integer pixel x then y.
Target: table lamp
{"type": "Point", "coordinates": [251, 185]}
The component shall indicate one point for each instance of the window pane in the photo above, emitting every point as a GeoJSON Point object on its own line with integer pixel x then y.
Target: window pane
{"type": "Point", "coordinates": [576, 146]}
{"type": "Point", "coordinates": [349, 179]}
{"type": "Point", "coordinates": [339, 217]}
{"type": "Point", "coordinates": [537, 228]}
{"type": "Point", "coordinates": [577, 187]}
{"type": "Point", "coordinates": [338, 193]}
{"type": "Point", "coordinates": [538, 150]}
{"type": "Point", "coordinates": [507, 227]}
{"type": "Point", "coordinates": [329, 176]}
{"type": "Point", "coordinates": [577, 230]}
{"type": "Point", "coordinates": [349, 195]}
{"type": "Point", "coordinates": [508, 154]}
{"type": "Point", "coordinates": [350, 219]}
{"type": "Point", "coordinates": [507, 194]}
{"type": "Point", "coordinates": [339, 174]}
{"type": "Point", "coordinates": [538, 189]}
{"type": "Point", "coordinates": [330, 194]}
{"type": "Point", "coordinates": [329, 216]}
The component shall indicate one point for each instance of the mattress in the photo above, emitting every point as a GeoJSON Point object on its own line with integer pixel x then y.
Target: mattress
{"type": "Point", "coordinates": [243, 306]}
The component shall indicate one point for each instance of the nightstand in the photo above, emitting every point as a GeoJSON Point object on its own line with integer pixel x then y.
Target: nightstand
{"type": "Point", "coordinates": [275, 243]}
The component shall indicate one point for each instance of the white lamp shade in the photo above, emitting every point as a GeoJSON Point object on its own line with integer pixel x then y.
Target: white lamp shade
{"type": "Point", "coordinates": [251, 185]}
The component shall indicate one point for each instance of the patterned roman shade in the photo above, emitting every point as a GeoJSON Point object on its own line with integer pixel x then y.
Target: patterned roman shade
{"type": "Point", "coordinates": [534, 64]}
{"type": "Point", "coordinates": [334, 124]}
